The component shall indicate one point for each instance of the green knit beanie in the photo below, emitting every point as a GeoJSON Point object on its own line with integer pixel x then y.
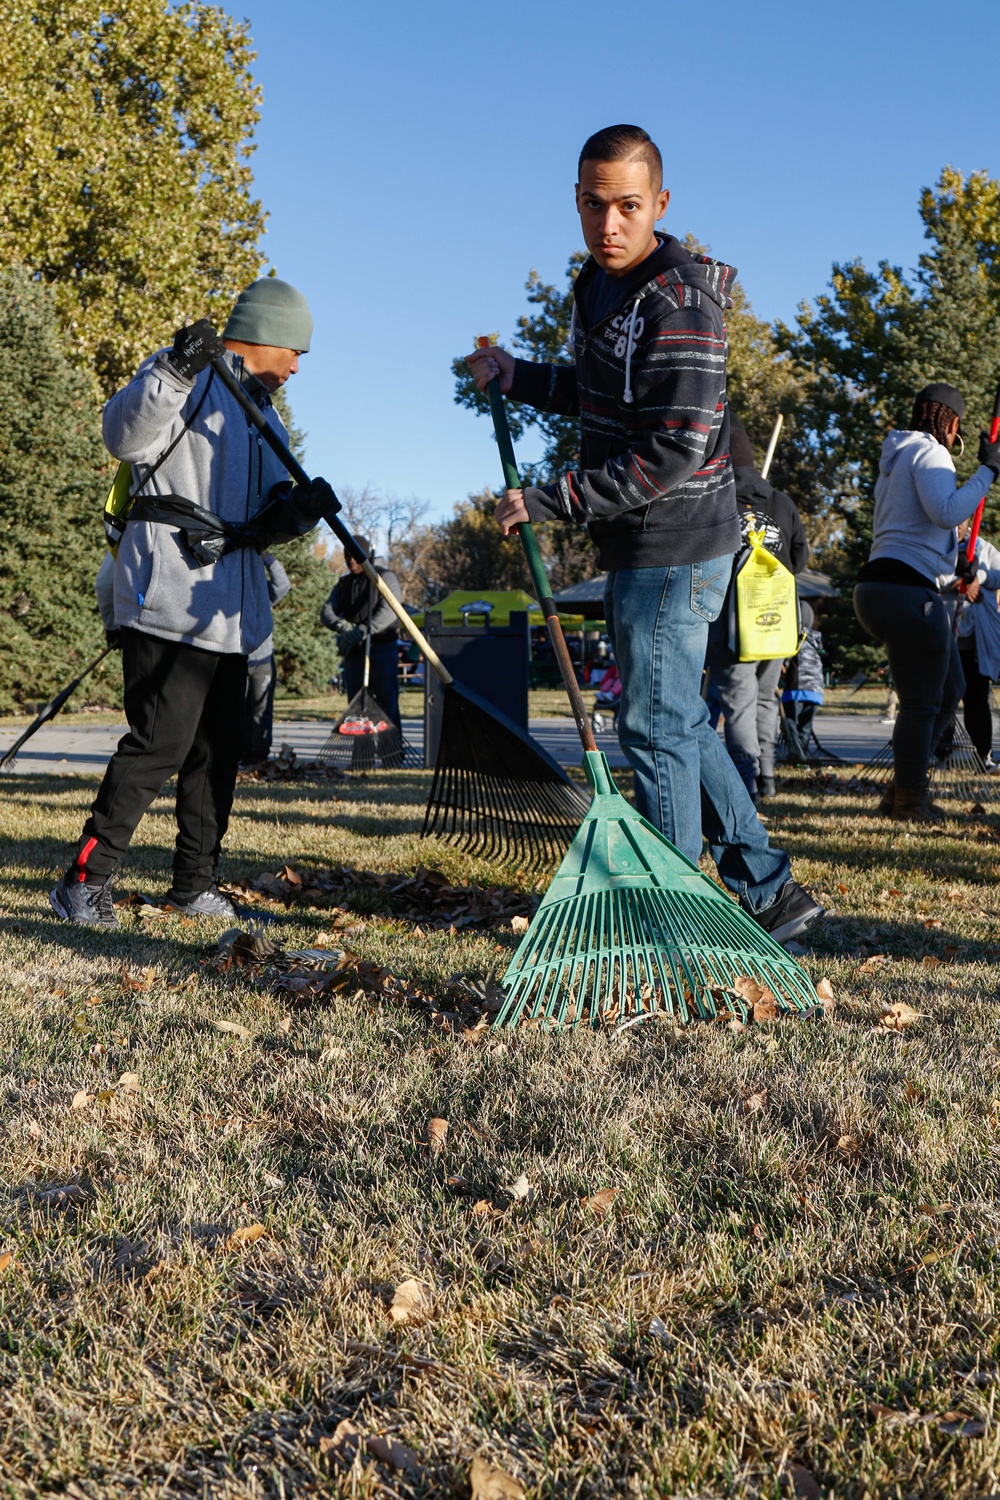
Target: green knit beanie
{"type": "Point", "coordinates": [271, 312]}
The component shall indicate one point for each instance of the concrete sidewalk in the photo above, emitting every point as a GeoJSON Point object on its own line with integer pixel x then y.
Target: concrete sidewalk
{"type": "Point", "coordinates": [66, 747]}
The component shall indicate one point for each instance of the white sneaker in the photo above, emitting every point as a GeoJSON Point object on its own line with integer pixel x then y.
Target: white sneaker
{"type": "Point", "coordinates": [989, 764]}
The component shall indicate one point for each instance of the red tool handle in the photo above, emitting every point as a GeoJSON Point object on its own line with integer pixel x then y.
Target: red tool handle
{"type": "Point", "coordinates": [977, 520]}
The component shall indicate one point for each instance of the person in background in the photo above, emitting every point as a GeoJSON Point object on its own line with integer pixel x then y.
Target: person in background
{"type": "Point", "coordinates": [258, 722]}
{"type": "Point", "coordinates": [346, 612]}
{"type": "Point", "coordinates": [802, 690]}
{"type": "Point", "coordinates": [976, 622]}
{"type": "Point", "coordinates": [918, 505]}
{"type": "Point", "coordinates": [747, 691]}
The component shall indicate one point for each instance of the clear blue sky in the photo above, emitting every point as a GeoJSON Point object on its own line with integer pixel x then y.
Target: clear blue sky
{"type": "Point", "coordinates": [418, 159]}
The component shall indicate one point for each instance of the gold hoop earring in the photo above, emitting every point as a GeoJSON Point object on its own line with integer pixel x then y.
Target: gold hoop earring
{"type": "Point", "coordinates": [960, 439]}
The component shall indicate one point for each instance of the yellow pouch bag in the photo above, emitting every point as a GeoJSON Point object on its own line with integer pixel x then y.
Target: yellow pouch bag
{"type": "Point", "coordinates": [117, 507]}
{"type": "Point", "coordinates": [767, 613]}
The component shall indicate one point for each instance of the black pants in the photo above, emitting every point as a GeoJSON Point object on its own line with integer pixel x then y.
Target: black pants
{"type": "Point", "coordinates": [913, 624]}
{"type": "Point", "coordinates": [978, 711]}
{"type": "Point", "coordinates": [258, 722]}
{"type": "Point", "coordinates": [185, 715]}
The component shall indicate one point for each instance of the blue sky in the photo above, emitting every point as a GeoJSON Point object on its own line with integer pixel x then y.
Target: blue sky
{"type": "Point", "coordinates": [418, 160]}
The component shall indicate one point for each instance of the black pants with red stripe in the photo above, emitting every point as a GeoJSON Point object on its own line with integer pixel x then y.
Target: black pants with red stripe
{"type": "Point", "coordinates": [185, 715]}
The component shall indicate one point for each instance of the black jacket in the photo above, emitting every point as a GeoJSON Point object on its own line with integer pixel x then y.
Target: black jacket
{"type": "Point", "coordinates": [348, 605]}
{"type": "Point", "coordinates": [655, 483]}
{"type": "Point", "coordinates": [759, 503]}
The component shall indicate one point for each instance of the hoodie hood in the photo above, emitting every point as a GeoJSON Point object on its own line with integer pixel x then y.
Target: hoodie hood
{"type": "Point", "coordinates": [900, 440]}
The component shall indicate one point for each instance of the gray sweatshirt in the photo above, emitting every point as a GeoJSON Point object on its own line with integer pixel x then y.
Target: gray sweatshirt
{"type": "Point", "coordinates": [222, 464]}
{"type": "Point", "coordinates": [918, 505]}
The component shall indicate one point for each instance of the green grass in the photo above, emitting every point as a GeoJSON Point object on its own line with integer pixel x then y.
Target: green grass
{"type": "Point", "coordinates": [821, 1273]}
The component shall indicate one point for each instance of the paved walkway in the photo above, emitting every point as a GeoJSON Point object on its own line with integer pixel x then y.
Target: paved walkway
{"type": "Point", "coordinates": [68, 747]}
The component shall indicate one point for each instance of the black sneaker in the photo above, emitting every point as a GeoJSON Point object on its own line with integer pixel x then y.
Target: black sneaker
{"type": "Point", "coordinates": [210, 903]}
{"type": "Point", "coordinates": [793, 910]}
{"type": "Point", "coordinates": [84, 902]}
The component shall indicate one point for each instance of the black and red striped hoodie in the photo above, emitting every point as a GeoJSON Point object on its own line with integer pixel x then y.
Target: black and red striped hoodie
{"type": "Point", "coordinates": [655, 483]}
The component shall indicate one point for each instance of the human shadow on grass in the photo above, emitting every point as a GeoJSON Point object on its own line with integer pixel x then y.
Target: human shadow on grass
{"type": "Point", "coordinates": [865, 938]}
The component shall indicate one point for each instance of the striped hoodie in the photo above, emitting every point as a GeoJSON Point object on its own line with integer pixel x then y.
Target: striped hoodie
{"type": "Point", "coordinates": [655, 484]}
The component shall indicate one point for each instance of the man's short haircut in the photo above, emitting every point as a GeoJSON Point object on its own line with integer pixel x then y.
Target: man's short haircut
{"type": "Point", "coordinates": [624, 143]}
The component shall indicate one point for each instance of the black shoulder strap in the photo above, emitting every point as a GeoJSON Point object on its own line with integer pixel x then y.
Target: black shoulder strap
{"type": "Point", "coordinates": [144, 479]}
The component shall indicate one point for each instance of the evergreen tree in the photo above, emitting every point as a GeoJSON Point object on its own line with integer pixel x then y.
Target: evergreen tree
{"type": "Point", "coordinates": [305, 652]}
{"type": "Point", "coordinates": [54, 473]}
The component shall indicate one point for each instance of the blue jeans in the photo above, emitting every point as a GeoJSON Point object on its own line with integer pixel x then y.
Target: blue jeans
{"type": "Point", "coordinates": [685, 782]}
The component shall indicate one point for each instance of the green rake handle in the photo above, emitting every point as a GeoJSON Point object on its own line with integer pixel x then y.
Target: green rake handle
{"type": "Point", "coordinates": [536, 567]}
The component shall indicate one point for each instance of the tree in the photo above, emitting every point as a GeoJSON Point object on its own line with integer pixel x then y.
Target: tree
{"type": "Point", "coordinates": [124, 180]}
{"type": "Point", "coordinates": [305, 652]}
{"type": "Point", "coordinates": [54, 473]}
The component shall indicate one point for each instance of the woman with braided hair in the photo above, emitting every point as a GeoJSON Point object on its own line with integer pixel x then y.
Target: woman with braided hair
{"type": "Point", "coordinates": [918, 506]}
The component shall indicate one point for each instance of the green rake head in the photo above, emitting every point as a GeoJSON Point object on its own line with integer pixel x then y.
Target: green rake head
{"type": "Point", "coordinates": [629, 927]}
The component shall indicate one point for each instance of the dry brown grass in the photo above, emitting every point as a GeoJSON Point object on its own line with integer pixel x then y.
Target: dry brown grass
{"type": "Point", "coordinates": [796, 1294]}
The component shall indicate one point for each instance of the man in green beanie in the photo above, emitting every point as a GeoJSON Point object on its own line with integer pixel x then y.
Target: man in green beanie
{"type": "Point", "coordinates": [191, 600]}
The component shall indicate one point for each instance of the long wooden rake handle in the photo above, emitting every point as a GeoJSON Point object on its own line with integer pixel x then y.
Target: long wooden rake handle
{"type": "Point", "coordinates": [536, 567]}
{"type": "Point", "coordinates": [334, 522]}
{"type": "Point", "coordinates": [977, 520]}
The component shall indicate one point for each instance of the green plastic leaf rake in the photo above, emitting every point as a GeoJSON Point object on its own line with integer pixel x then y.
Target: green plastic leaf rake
{"type": "Point", "coordinates": [629, 926]}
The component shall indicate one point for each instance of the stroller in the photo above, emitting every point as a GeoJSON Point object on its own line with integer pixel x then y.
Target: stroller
{"type": "Point", "coordinates": [609, 692]}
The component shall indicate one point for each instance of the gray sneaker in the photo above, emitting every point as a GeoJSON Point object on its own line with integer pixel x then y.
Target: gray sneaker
{"type": "Point", "coordinates": [210, 903]}
{"type": "Point", "coordinates": [84, 902]}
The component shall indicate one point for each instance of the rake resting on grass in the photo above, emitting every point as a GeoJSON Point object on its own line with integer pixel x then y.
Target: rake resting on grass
{"type": "Point", "coordinates": [495, 791]}
{"type": "Point", "coordinates": [629, 926]}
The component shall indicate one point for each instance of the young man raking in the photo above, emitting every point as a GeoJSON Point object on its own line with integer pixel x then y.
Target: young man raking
{"type": "Point", "coordinates": [655, 489]}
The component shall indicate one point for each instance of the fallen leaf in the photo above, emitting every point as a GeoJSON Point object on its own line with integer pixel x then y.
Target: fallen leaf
{"type": "Point", "coordinates": [81, 1099]}
{"type": "Point", "coordinates": [766, 1008]}
{"type": "Point", "coordinates": [247, 1235]}
{"type": "Point", "coordinates": [957, 1424]}
{"type": "Point", "coordinates": [748, 988]}
{"type": "Point", "coordinates": [824, 991]}
{"type": "Point", "coordinates": [658, 1330]}
{"type": "Point", "coordinates": [129, 1082]}
{"type": "Point", "coordinates": [848, 1145]}
{"type": "Point", "coordinates": [898, 1016]}
{"type": "Point", "coordinates": [483, 1209]}
{"type": "Point", "coordinates": [345, 1441]}
{"type": "Point", "coordinates": [842, 889]}
{"type": "Point", "coordinates": [411, 1300]}
{"type": "Point", "coordinates": [522, 1190]}
{"type": "Point", "coordinates": [519, 924]}
{"type": "Point", "coordinates": [60, 1196]}
{"type": "Point", "coordinates": [437, 1134]}
{"type": "Point", "coordinates": [929, 961]}
{"type": "Point", "coordinates": [935, 1210]}
{"type": "Point", "coordinates": [492, 1483]}
{"type": "Point", "coordinates": [753, 1103]}
{"type": "Point", "coordinates": [912, 1092]}
{"type": "Point", "coordinates": [802, 1480]}
{"type": "Point", "coordinates": [34, 1130]}
{"type": "Point", "coordinates": [600, 1202]}
{"type": "Point", "coordinates": [6, 1259]}
{"type": "Point", "coordinates": [143, 981]}
{"type": "Point", "coordinates": [388, 1451]}
{"type": "Point", "coordinates": [933, 922]}
{"type": "Point", "coordinates": [231, 1027]}
{"type": "Point", "coordinates": [285, 1024]}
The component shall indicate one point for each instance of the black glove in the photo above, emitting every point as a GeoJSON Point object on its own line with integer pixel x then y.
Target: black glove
{"type": "Point", "coordinates": [966, 567]}
{"type": "Point", "coordinates": [348, 639]}
{"type": "Point", "coordinates": [291, 511]}
{"type": "Point", "coordinates": [989, 453]}
{"type": "Point", "coordinates": [195, 348]}
{"type": "Point", "coordinates": [114, 639]}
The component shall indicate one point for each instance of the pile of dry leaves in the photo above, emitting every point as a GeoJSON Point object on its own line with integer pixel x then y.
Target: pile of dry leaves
{"type": "Point", "coordinates": [312, 976]}
{"type": "Point", "coordinates": [286, 766]}
{"type": "Point", "coordinates": [426, 897]}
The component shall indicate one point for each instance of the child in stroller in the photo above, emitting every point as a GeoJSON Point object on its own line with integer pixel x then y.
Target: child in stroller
{"type": "Point", "coordinates": [609, 692]}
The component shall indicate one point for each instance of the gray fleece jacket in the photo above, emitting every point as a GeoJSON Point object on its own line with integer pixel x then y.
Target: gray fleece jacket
{"type": "Point", "coordinates": [222, 464]}
{"type": "Point", "coordinates": [918, 504]}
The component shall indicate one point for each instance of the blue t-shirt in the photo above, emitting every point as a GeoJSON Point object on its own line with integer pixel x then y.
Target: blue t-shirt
{"type": "Point", "coordinates": [606, 294]}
